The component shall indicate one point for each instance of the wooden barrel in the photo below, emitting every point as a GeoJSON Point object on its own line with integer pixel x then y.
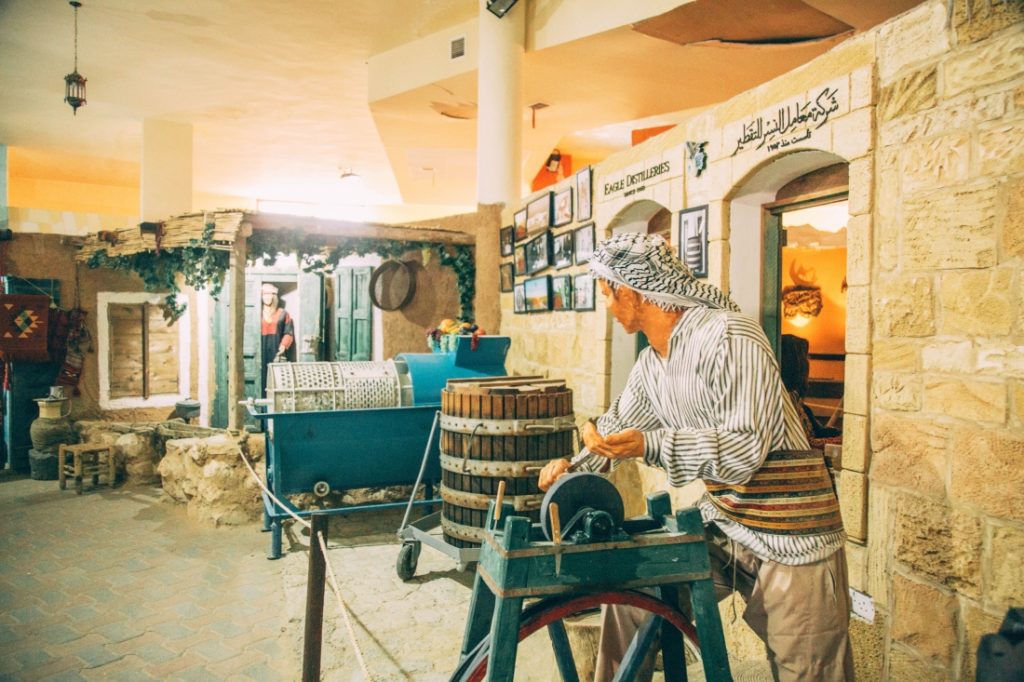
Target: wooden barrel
{"type": "Point", "coordinates": [501, 429]}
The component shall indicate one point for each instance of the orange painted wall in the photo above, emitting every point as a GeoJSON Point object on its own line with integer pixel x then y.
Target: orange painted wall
{"type": "Point", "coordinates": [66, 182]}
{"type": "Point", "coordinates": [826, 333]}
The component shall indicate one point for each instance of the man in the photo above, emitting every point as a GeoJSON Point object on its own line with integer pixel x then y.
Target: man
{"type": "Point", "coordinates": [276, 329]}
{"type": "Point", "coordinates": [706, 401]}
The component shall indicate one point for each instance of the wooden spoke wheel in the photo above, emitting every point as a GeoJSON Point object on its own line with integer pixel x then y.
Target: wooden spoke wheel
{"type": "Point", "coordinates": [549, 613]}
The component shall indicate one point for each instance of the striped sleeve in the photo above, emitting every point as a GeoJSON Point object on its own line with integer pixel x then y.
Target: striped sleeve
{"type": "Point", "coordinates": [740, 394]}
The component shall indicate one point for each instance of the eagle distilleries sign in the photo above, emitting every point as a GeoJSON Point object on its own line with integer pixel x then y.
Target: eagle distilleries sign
{"type": "Point", "coordinates": [635, 180]}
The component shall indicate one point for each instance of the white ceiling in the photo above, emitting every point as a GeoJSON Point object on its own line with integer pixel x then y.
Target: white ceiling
{"type": "Point", "coordinates": [277, 91]}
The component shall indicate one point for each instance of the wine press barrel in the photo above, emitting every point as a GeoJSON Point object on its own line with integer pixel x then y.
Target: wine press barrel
{"type": "Point", "coordinates": [500, 429]}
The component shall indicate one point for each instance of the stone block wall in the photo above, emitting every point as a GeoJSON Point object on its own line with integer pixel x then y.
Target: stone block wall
{"type": "Point", "coordinates": [946, 447]}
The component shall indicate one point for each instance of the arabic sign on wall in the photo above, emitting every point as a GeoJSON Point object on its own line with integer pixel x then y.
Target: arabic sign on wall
{"type": "Point", "coordinates": [790, 123]}
{"type": "Point", "coordinates": [638, 178]}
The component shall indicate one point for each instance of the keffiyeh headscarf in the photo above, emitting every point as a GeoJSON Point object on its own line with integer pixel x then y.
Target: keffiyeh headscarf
{"type": "Point", "coordinates": [645, 264]}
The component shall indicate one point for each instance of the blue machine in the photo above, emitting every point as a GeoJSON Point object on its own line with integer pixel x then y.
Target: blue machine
{"type": "Point", "coordinates": [313, 449]}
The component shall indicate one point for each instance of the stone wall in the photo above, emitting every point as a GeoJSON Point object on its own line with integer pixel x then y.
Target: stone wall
{"type": "Point", "coordinates": [946, 450]}
{"type": "Point", "coordinates": [930, 119]}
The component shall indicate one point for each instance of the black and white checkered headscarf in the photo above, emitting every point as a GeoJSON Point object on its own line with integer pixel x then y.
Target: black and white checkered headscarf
{"type": "Point", "coordinates": [645, 264]}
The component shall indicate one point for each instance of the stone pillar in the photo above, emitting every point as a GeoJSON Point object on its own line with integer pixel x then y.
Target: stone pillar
{"type": "Point", "coordinates": [166, 183]}
{"type": "Point", "coordinates": [499, 132]}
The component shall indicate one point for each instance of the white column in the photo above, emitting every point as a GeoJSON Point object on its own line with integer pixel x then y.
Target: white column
{"type": "Point", "coordinates": [166, 169]}
{"type": "Point", "coordinates": [499, 133]}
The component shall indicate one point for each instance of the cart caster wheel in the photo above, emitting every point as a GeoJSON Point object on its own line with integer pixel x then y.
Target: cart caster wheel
{"type": "Point", "coordinates": [407, 558]}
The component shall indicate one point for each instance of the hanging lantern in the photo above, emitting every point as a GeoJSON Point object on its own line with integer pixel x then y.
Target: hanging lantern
{"type": "Point", "coordinates": [74, 82]}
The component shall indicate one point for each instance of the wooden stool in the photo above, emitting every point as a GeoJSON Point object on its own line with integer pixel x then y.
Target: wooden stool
{"type": "Point", "coordinates": [87, 459]}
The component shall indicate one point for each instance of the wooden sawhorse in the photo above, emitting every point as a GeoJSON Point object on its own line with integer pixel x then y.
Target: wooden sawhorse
{"type": "Point", "coordinates": [517, 563]}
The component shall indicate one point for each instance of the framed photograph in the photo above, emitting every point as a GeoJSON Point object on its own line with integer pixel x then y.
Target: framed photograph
{"type": "Point", "coordinates": [519, 225]}
{"type": "Point", "coordinates": [583, 196]}
{"type": "Point", "coordinates": [519, 298]}
{"type": "Point", "coordinates": [507, 277]}
{"type": "Point", "coordinates": [561, 250]}
{"type": "Point", "coordinates": [538, 294]}
{"type": "Point", "coordinates": [561, 292]}
{"type": "Point", "coordinates": [563, 207]}
{"type": "Point", "coordinates": [583, 291]}
{"type": "Point", "coordinates": [520, 261]}
{"type": "Point", "coordinates": [506, 241]}
{"type": "Point", "coordinates": [693, 239]}
{"type": "Point", "coordinates": [538, 253]}
{"type": "Point", "coordinates": [583, 243]}
{"type": "Point", "coordinates": [538, 214]}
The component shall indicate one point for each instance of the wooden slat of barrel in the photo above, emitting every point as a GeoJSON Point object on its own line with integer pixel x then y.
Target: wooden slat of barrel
{"type": "Point", "coordinates": [499, 403]}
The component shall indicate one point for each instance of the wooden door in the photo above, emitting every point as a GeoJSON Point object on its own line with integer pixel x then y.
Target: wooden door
{"type": "Point", "coordinates": [309, 331]}
{"type": "Point", "coordinates": [352, 314]}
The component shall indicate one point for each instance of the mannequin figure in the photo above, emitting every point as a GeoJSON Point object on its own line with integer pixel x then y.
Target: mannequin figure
{"type": "Point", "coordinates": [276, 329]}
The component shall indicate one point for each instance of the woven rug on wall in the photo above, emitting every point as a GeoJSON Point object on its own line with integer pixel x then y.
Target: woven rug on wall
{"type": "Point", "coordinates": [24, 322]}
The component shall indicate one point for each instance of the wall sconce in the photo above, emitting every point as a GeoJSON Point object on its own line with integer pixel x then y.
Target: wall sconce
{"type": "Point", "coordinates": [801, 303]}
{"type": "Point", "coordinates": [554, 161]}
{"type": "Point", "coordinates": [500, 8]}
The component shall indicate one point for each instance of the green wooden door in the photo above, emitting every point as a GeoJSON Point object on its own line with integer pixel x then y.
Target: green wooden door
{"type": "Point", "coordinates": [774, 240]}
{"type": "Point", "coordinates": [353, 314]}
{"type": "Point", "coordinates": [309, 330]}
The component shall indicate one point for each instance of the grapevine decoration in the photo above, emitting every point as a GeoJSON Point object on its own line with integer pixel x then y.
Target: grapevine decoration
{"type": "Point", "coordinates": [203, 267]}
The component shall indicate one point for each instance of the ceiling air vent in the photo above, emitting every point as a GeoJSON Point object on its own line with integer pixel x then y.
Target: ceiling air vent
{"type": "Point", "coordinates": [458, 47]}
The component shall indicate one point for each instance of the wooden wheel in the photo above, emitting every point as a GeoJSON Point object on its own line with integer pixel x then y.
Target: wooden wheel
{"type": "Point", "coordinates": [550, 613]}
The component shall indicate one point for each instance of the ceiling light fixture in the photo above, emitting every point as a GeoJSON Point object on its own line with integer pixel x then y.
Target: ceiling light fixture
{"type": "Point", "coordinates": [500, 8]}
{"type": "Point", "coordinates": [348, 175]}
{"type": "Point", "coordinates": [74, 82]}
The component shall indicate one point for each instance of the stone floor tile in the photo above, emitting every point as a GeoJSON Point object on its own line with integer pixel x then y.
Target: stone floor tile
{"type": "Point", "coordinates": [213, 651]}
{"type": "Point", "coordinates": [172, 630]}
{"type": "Point", "coordinates": [118, 631]}
{"type": "Point", "coordinates": [32, 658]}
{"type": "Point", "coordinates": [197, 673]}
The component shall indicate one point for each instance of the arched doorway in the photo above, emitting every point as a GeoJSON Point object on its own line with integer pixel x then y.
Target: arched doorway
{"type": "Point", "coordinates": [648, 217]}
{"type": "Point", "coordinates": [788, 263]}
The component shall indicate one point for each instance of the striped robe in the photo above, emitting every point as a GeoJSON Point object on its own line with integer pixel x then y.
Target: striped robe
{"type": "Point", "coordinates": [713, 410]}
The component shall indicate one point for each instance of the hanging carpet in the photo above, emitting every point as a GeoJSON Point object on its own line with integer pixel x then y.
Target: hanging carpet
{"type": "Point", "coordinates": [24, 323]}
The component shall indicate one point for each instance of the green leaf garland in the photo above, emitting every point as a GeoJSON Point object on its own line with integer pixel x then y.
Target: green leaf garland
{"type": "Point", "coordinates": [202, 267]}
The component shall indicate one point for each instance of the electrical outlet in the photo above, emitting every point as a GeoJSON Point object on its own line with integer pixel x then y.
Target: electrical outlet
{"type": "Point", "coordinates": [862, 605]}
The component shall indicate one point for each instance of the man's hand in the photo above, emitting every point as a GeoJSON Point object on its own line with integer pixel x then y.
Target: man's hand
{"type": "Point", "coordinates": [282, 356]}
{"type": "Point", "coordinates": [551, 472]}
{"type": "Point", "coordinates": [621, 445]}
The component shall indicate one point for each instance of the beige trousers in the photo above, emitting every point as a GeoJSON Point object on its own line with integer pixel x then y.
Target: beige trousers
{"type": "Point", "coordinates": [802, 613]}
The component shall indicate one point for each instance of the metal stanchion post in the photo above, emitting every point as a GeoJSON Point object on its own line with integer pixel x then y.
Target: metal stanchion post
{"type": "Point", "coordinates": [315, 584]}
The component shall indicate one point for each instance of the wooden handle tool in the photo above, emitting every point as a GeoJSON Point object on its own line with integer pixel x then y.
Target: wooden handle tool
{"type": "Point", "coordinates": [499, 500]}
{"type": "Point", "coordinates": [556, 535]}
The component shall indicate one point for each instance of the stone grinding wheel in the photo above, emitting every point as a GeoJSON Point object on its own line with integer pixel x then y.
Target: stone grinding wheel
{"type": "Point", "coordinates": [577, 491]}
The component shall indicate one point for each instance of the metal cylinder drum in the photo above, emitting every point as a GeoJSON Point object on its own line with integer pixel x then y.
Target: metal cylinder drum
{"type": "Point", "coordinates": [488, 437]}
{"type": "Point", "coordinates": [320, 386]}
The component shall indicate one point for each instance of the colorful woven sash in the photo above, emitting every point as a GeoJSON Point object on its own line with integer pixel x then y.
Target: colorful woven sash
{"type": "Point", "coordinates": [791, 494]}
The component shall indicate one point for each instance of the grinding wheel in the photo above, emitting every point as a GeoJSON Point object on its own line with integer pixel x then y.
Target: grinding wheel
{"type": "Point", "coordinates": [578, 491]}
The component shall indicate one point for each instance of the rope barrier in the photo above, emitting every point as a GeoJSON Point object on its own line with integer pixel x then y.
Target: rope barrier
{"type": "Point", "coordinates": [269, 494]}
{"type": "Point", "coordinates": [342, 605]}
{"type": "Point", "coordinates": [344, 611]}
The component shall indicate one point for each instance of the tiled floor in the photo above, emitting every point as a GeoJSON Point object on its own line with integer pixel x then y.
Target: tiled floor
{"type": "Point", "coordinates": [115, 584]}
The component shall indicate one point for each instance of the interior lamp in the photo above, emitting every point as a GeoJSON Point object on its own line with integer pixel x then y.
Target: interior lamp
{"type": "Point", "coordinates": [500, 8]}
{"type": "Point", "coordinates": [554, 161]}
{"type": "Point", "coordinates": [74, 82]}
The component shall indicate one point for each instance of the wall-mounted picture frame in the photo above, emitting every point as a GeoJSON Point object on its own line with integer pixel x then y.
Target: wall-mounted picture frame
{"type": "Point", "coordinates": [583, 291]}
{"type": "Point", "coordinates": [519, 225]}
{"type": "Point", "coordinates": [563, 207]}
{"type": "Point", "coordinates": [538, 253]}
{"type": "Point", "coordinates": [538, 214]}
{"type": "Point", "coordinates": [561, 250]}
{"type": "Point", "coordinates": [538, 294]}
{"type": "Point", "coordinates": [519, 298]}
{"type": "Point", "coordinates": [693, 239]}
{"type": "Point", "coordinates": [506, 241]}
{"type": "Point", "coordinates": [583, 243]}
{"type": "Point", "coordinates": [561, 292]}
{"type": "Point", "coordinates": [506, 277]}
{"type": "Point", "coordinates": [583, 195]}
{"type": "Point", "coordinates": [520, 261]}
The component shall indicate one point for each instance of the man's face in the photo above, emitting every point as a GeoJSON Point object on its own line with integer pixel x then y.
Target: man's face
{"type": "Point", "coordinates": [622, 303]}
{"type": "Point", "coordinates": [269, 297]}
